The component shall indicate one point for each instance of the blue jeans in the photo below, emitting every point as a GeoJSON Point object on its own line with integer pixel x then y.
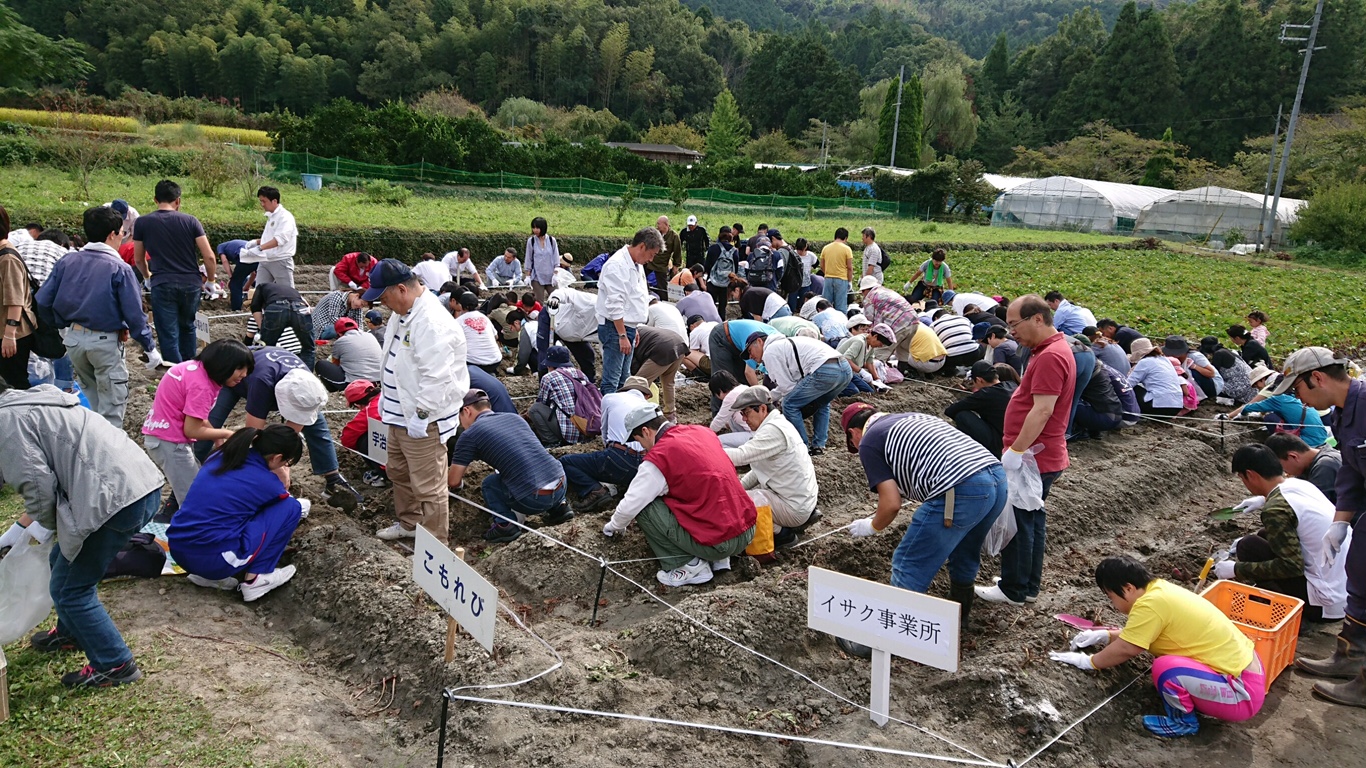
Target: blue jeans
{"type": "Point", "coordinates": [794, 299]}
{"type": "Point", "coordinates": [586, 472]}
{"type": "Point", "coordinates": [322, 454]}
{"type": "Point", "coordinates": [1022, 559]}
{"type": "Point", "coordinates": [173, 309]}
{"type": "Point", "coordinates": [978, 501]}
{"type": "Point", "coordinates": [1086, 365]}
{"type": "Point", "coordinates": [279, 315]}
{"type": "Point", "coordinates": [237, 284]}
{"type": "Point", "coordinates": [616, 367]}
{"type": "Point", "coordinates": [73, 585]}
{"type": "Point", "coordinates": [856, 386]}
{"type": "Point", "coordinates": [498, 499]}
{"type": "Point", "coordinates": [818, 389]}
{"type": "Point", "coordinates": [1089, 421]}
{"type": "Point", "coordinates": [836, 291]}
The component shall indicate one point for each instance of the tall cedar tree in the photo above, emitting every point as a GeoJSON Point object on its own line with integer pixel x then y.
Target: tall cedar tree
{"type": "Point", "coordinates": [995, 80]}
{"type": "Point", "coordinates": [1233, 72]}
{"type": "Point", "coordinates": [727, 130]}
{"type": "Point", "coordinates": [908, 144]}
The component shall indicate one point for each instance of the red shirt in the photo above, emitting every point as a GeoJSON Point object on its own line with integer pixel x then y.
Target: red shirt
{"type": "Point", "coordinates": [126, 253]}
{"type": "Point", "coordinates": [1051, 371]}
{"type": "Point", "coordinates": [354, 433]}
{"type": "Point", "coordinates": [348, 271]}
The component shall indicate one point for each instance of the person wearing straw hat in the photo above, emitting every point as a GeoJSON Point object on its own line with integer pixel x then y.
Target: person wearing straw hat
{"type": "Point", "coordinates": [781, 477]}
{"type": "Point", "coordinates": [1155, 383]}
{"type": "Point", "coordinates": [686, 498]}
{"type": "Point", "coordinates": [595, 477]}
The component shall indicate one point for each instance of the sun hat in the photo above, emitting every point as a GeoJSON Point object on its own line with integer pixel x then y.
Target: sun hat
{"type": "Point", "coordinates": [868, 282]}
{"type": "Point", "coordinates": [299, 396]}
{"type": "Point", "coordinates": [1139, 349]}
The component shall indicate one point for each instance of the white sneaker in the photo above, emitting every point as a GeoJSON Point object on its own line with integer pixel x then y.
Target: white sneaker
{"type": "Point", "coordinates": [265, 582]}
{"type": "Point", "coordinates": [993, 594]}
{"type": "Point", "coordinates": [227, 585]}
{"type": "Point", "coordinates": [396, 532]}
{"type": "Point", "coordinates": [305, 505]}
{"type": "Point", "coordinates": [1028, 598]}
{"type": "Point", "coordinates": [720, 565]}
{"type": "Point", "coordinates": [696, 571]}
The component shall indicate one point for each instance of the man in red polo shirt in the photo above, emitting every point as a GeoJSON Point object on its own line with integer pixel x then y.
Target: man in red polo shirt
{"type": "Point", "coordinates": [1037, 415]}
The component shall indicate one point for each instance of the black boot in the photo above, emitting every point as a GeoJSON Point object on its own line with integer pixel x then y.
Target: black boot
{"type": "Point", "coordinates": [1351, 693]}
{"type": "Point", "coordinates": [1348, 658]}
{"type": "Point", "coordinates": [963, 594]}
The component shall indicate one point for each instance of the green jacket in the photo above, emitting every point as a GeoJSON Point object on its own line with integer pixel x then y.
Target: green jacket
{"type": "Point", "coordinates": [673, 250]}
{"type": "Point", "coordinates": [1282, 533]}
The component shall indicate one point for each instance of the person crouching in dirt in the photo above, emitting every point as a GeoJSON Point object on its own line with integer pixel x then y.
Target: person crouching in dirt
{"type": "Point", "coordinates": [686, 497]}
{"type": "Point", "coordinates": [781, 479]}
{"type": "Point", "coordinates": [961, 488]}
{"type": "Point", "coordinates": [1202, 662]}
{"type": "Point", "coordinates": [238, 516]}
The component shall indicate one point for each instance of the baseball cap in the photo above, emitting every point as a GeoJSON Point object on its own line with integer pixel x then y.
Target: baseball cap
{"type": "Point", "coordinates": [867, 282]}
{"type": "Point", "coordinates": [979, 330]}
{"type": "Point", "coordinates": [692, 219]}
{"type": "Point", "coordinates": [557, 357]}
{"type": "Point", "coordinates": [641, 414]}
{"type": "Point", "coordinates": [386, 274]}
{"type": "Point", "coordinates": [981, 370]}
{"type": "Point", "coordinates": [474, 396]}
{"type": "Point", "coordinates": [344, 324]}
{"type": "Point", "coordinates": [375, 316]}
{"type": "Point", "coordinates": [850, 412]}
{"type": "Point", "coordinates": [638, 384]}
{"type": "Point", "coordinates": [468, 301]}
{"type": "Point", "coordinates": [299, 396]}
{"type": "Point", "coordinates": [858, 320]}
{"type": "Point", "coordinates": [774, 234]}
{"type": "Point", "coordinates": [754, 396]}
{"type": "Point", "coordinates": [695, 319]}
{"type": "Point", "coordinates": [753, 337]}
{"type": "Point", "coordinates": [120, 207]}
{"type": "Point", "coordinates": [1302, 361]}
{"type": "Point", "coordinates": [357, 390]}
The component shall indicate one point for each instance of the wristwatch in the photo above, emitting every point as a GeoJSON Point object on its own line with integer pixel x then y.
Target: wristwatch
{"type": "Point", "coordinates": [421, 414]}
{"type": "Point", "coordinates": [11, 323]}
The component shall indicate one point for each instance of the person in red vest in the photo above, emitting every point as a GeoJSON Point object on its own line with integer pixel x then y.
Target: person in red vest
{"type": "Point", "coordinates": [686, 497]}
{"type": "Point", "coordinates": [353, 272]}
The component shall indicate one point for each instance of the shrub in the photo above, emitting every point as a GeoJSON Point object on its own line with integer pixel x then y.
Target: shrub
{"type": "Point", "coordinates": [384, 193]}
{"type": "Point", "coordinates": [18, 150]}
{"type": "Point", "coordinates": [1334, 219]}
{"type": "Point", "coordinates": [217, 166]}
{"type": "Point", "coordinates": [190, 133]}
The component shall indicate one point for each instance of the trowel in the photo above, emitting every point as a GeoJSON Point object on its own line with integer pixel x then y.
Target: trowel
{"type": "Point", "coordinates": [1078, 622]}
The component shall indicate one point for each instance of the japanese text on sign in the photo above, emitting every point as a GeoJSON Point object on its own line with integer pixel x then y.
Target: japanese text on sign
{"type": "Point", "coordinates": [675, 293]}
{"type": "Point", "coordinates": [460, 591]}
{"type": "Point", "coordinates": [201, 327]}
{"type": "Point", "coordinates": [377, 442]}
{"type": "Point", "coordinates": [908, 624]}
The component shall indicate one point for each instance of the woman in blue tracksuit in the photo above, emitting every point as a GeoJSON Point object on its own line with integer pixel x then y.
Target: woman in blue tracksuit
{"type": "Point", "coordinates": [238, 515]}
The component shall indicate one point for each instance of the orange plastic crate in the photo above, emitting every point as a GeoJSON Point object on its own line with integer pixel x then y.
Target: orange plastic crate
{"type": "Point", "coordinates": [1269, 619]}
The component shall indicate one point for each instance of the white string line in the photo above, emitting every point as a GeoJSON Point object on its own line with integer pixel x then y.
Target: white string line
{"type": "Point", "coordinates": [1094, 710]}
{"type": "Point", "coordinates": [559, 660]}
{"type": "Point", "coordinates": [823, 535]}
{"type": "Point", "coordinates": [796, 672]}
{"type": "Point", "coordinates": [728, 729]}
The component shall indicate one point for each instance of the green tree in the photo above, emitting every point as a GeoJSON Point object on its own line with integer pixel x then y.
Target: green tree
{"type": "Point", "coordinates": [995, 80]}
{"type": "Point", "coordinates": [1335, 218]}
{"type": "Point", "coordinates": [1047, 69]}
{"type": "Point", "coordinates": [1160, 170]}
{"type": "Point", "coordinates": [1003, 129]}
{"type": "Point", "coordinates": [772, 147]}
{"type": "Point", "coordinates": [678, 134]}
{"type": "Point", "coordinates": [611, 56]}
{"type": "Point", "coordinates": [1232, 71]}
{"type": "Point", "coordinates": [727, 130]}
{"type": "Point", "coordinates": [908, 138]}
{"type": "Point", "coordinates": [950, 124]}
{"type": "Point", "coordinates": [27, 58]}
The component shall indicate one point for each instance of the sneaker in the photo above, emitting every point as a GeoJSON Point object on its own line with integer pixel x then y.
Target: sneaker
{"type": "Point", "coordinates": [265, 582]}
{"type": "Point", "coordinates": [511, 371]}
{"type": "Point", "coordinates": [51, 642]}
{"type": "Point", "coordinates": [502, 534]}
{"type": "Point", "coordinates": [227, 585]}
{"type": "Point", "coordinates": [857, 650]}
{"type": "Point", "coordinates": [396, 532]}
{"type": "Point", "coordinates": [595, 500]}
{"type": "Point", "coordinates": [993, 594]}
{"type": "Point", "coordinates": [1172, 726]}
{"type": "Point", "coordinates": [374, 478]}
{"type": "Point", "coordinates": [1224, 401]}
{"type": "Point", "coordinates": [87, 677]}
{"type": "Point", "coordinates": [785, 538]}
{"type": "Point", "coordinates": [342, 495]}
{"type": "Point", "coordinates": [560, 514]}
{"type": "Point", "coordinates": [167, 510]}
{"type": "Point", "coordinates": [815, 451]}
{"type": "Point", "coordinates": [696, 571]}
{"type": "Point", "coordinates": [720, 565]}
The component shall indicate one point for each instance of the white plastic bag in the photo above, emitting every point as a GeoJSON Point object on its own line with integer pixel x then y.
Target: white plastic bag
{"type": "Point", "coordinates": [1024, 485]}
{"type": "Point", "coordinates": [1001, 533]}
{"type": "Point", "coordinates": [24, 597]}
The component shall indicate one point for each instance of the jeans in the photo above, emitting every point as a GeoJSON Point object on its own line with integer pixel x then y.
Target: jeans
{"type": "Point", "coordinates": [237, 284]}
{"type": "Point", "coordinates": [856, 386]}
{"type": "Point", "coordinates": [1088, 421]}
{"type": "Point", "coordinates": [63, 374]}
{"type": "Point", "coordinates": [73, 585]}
{"type": "Point", "coordinates": [978, 501]}
{"type": "Point", "coordinates": [795, 300]}
{"type": "Point", "coordinates": [322, 454]}
{"type": "Point", "coordinates": [1022, 559]}
{"type": "Point", "coordinates": [331, 374]}
{"type": "Point", "coordinates": [818, 389]}
{"type": "Point", "coordinates": [719, 297]}
{"type": "Point", "coordinates": [616, 367]}
{"type": "Point", "coordinates": [1086, 365]}
{"type": "Point", "coordinates": [921, 290]}
{"type": "Point", "coordinates": [173, 308]}
{"type": "Point", "coordinates": [279, 315]}
{"type": "Point", "coordinates": [836, 292]}
{"type": "Point", "coordinates": [587, 471]}
{"type": "Point", "coordinates": [498, 499]}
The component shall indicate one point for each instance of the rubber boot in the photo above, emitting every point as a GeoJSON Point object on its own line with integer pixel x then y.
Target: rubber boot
{"type": "Point", "coordinates": [1351, 693]}
{"type": "Point", "coordinates": [963, 594]}
{"type": "Point", "coordinates": [1348, 658]}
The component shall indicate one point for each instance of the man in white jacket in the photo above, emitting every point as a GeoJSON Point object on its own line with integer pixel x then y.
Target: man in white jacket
{"type": "Point", "coordinates": [424, 381]}
{"type": "Point", "coordinates": [274, 252]}
{"type": "Point", "coordinates": [808, 375]}
{"type": "Point", "coordinates": [781, 475]}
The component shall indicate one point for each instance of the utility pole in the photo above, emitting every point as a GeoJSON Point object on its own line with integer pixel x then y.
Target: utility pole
{"type": "Point", "coordinates": [825, 130]}
{"type": "Point", "coordinates": [1270, 169]}
{"type": "Point", "coordinates": [1313, 28]}
{"type": "Point", "coordinates": [896, 124]}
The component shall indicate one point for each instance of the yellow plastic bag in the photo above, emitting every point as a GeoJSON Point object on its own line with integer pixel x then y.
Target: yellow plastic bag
{"type": "Point", "coordinates": [762, 543]}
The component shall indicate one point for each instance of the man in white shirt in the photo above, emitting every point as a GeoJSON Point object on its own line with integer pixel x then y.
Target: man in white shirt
{"type": "Point", "coordinates": [462, 269]}
{"type": "Point", "coordinates": [423, 384]}
{"type": "Point", "coordinates": [274, 252]}
{"type": "Point", "coordinates": [594, 478]}
{"type": "Point", "coordinates": [872, 254]}
{"type": "Point", "coordinates": [808, 374]}
{"type": "Point", "coordinates": [662, 314]}
{"type": "Point", "coordinates": [699, 345]}
{"type": "Point", "coordinates": [623, 304]}
{"type": "Point", "coordinates": [781, 475]}
{"type": "Point", "coordinates": [432, 272]}
{"type": "Point", "coordinates": [482, 345]}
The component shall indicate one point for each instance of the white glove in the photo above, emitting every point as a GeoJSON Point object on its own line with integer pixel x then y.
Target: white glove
{"type": "Point", "coordinates": [1091, 638]}
{"type": "Point", "coordinates": [1012, 460]}
{"type": "Point", "coordinates": [417, 428]}
{"type": "Point", "coordinates": [1333, 540]}
{"type": "Point", "coordinates": [1223, 570]}
{"type": "Point", "coordinates": [610, 529]}
{"type": "Point", "coordinates": [1075, 658]}
{"type": "Point", "coordinates": [153, 359]}
{"type": "Point", "coordinates": [880, 386]}
{"type": "Point", "coordinates": [863, 528]}
{"type": "Point", "coordinates": [1250, 504]}
{"type": "Point", "coordinates": [38, 532]}
{"type": "Point", "coordinates": [353, 286]}
{"type": "Point", "coordinates": [304, 506]}
{"type": "Point", "coordinates": [256, 338]}
{"type": "Point", "coordinates": [12, 537]}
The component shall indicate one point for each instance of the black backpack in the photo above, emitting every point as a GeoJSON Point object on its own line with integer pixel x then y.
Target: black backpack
{"type": "Point", "coordinates": [761, 266]}
{"type": "Point", "coordinates": [886, 262]}
{"type": "Point", "coordinates": [792, 272]}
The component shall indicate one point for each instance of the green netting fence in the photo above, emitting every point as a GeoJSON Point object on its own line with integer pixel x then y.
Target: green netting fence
{"type": "Point", "coordinates": [426, 173]}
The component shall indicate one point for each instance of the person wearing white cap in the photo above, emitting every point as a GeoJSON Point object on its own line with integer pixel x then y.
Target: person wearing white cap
{"type": "Point", "coordinates": [781, 476]}
{"type": "Point", "coordinates": [695, 240]}
{"type": "Point", "coordinates": [686, 498]}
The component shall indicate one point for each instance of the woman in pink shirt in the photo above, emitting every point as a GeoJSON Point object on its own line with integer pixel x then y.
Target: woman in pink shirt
{"type": "Point", "coordinates": [180, 411]}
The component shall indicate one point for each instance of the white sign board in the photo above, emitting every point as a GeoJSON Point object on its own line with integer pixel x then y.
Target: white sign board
{"type": "Point", "coordinates": [377, 442]}
{"type": "Point", "coordinates": [675, 293]}
{"type": "Point", "coordinates": [201, 327]}
{"type": "Point", "coordinates": [462, 593]}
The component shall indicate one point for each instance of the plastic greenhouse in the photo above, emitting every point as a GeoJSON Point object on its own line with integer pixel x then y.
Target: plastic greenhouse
{"type": "Point", "coordinates": [1078, 205]}
{"type": "Point", "coordinates": [1212, 212]}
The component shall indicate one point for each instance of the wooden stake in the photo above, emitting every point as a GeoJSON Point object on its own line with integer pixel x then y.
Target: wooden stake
{"type": "Point", "coordinates": [451, 626]}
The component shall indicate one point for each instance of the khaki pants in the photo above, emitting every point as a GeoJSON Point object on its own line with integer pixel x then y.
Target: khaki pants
{"type": "Point", "coordinates": [541, 292]}
{"type": "Point", "coordinates": [417, 468]}
{"type": "Point", "coordinates": [651, 370]}
{"type": "Point", "coordinates": [902, 351]}
{"type": "Point", "coordinates": [784, 514]}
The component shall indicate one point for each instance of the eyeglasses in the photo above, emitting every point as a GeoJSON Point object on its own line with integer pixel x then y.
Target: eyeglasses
{"type": "Point", "coordinates": [1011, 325]}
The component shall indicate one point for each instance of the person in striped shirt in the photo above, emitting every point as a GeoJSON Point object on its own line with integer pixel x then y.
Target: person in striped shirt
{"type": "Point", "coordinates": [961, 488]}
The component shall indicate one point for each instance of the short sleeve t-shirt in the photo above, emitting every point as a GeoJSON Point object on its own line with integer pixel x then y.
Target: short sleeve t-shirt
{"type": "Point", "coordinates": [1170, 621]}
{"type": "Point", "coordinates": [1051, 371]}
{"type": "Point", "coordinates": [481, 339]}
{"type": "Point", "coordinates": [936, 275]}
{"type": "Point", "coordinates": [272, 363]}
{"type": "Point", "coordinates": [838, 261]}
{"type": "Point", "coordinates": [170, 237]}
{"type": "Point", "coordinates": [505, 442]}
{"type": "Point", "coordinates": [360, 356]}
{"type": "Point", "coordinates": [923, 454]}
{"type": "Point", "coordinates": [855, 349]}
{"type": "Point", "coordinates": [185, 390]}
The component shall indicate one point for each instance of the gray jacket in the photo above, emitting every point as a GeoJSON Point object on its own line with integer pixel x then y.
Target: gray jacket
{"type": "Point", "coordinates": [74, 469]}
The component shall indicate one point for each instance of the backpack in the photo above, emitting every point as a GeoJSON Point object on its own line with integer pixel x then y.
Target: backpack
{"type": "Point", "coordinates": [886, 262]}
{"type": "Point", "coordinates": [46, 341]}
{"type": "Point", "coordinates": [587, 414]}
{"type": "Point", "coordinates": [725, 264]}
{"type": "Point", "coordinates": [761, 266]}
{"type": "Point", "coordinates": [792, 272]}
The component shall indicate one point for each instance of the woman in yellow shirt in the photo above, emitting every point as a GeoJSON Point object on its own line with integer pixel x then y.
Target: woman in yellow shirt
{"type": "Point", "coordinates": [1202, 662]}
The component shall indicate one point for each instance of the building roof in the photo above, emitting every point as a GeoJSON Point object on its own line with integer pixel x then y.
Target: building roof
{"type": "Point", "coordinates": [658, 149]}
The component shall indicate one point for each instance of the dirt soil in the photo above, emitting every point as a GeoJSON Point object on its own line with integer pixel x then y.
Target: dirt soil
{"type": "Point", "coordinates": [352, 619]}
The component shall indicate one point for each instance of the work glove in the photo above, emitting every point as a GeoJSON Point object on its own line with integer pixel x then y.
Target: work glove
{"type": "Point", "coordinates": [153, 359]}
{"type": "Point", "coordinates": [1012, 460]}
{"type": "Point", "coordinates": [880, 386]}
{"type": "Point", "coordinates": [13, 536]}
{"type": "Point", "coordinates": [1224, 569]}
{"type": "Point", "coordinates": [256, 339]}
{"type": "Point", "coordinates": [1091, 638]}
{"type": "Point", "coordinates": [1250, 504]}
{"type": "Point", "coordinates": [417, 428]}
{"type": "Point", "coordinates": [1333, 541]}
{"type": "Point", "coordinates": [610, 529]}
{"type": "Point", "coordinates": [38, 532]}
{"type": "Point", "coordinates": [862, 528]}
{"type": "Point", "coordinates": [352, 285]}
{"type": "Point", "coordinates": [304, 507]}
{"type": "Point", "coordinates": [1074, 658]}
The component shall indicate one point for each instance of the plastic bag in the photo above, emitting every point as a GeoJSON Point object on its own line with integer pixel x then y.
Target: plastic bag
{"type": "Point", "coordinates": [1024, 485]}
{"type": "Point", "coordinates": [1001, 533]}
{"type": "Point", "coordinates": [888, 373]}
{"type": "Point", "coordinates": [24, 597]}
